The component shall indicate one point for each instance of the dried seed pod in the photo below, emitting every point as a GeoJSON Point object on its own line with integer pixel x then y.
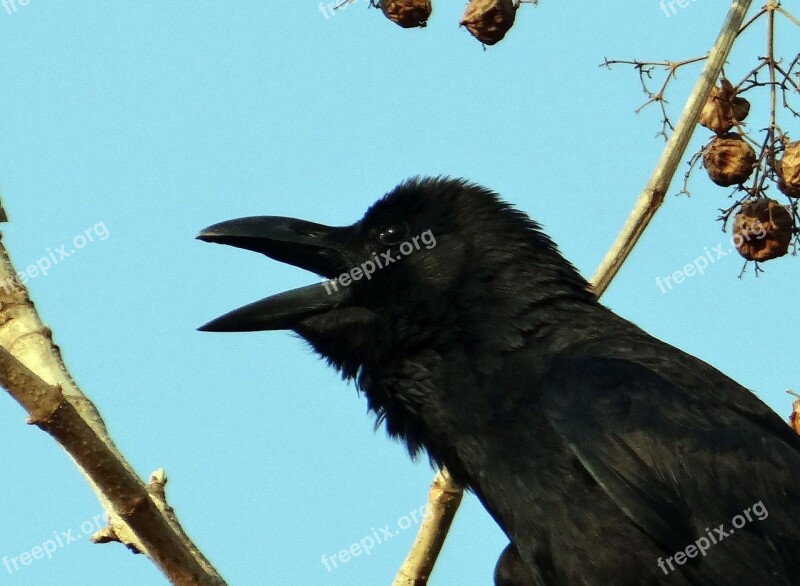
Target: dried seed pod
{"type": "Point", "coordinates": [762, 230]}
{"type": "Point", "coordinates": [723, 109]}
{"type": "Point", "coordinates": [489, 20]}
{"type": "Point", "coordinates": [741, 108]}
{"type": "Point", "coordinates": [788, 169]}
{"type": "Point", "coordinates": [407, 13]}
{"type": "Point", "coordinates": [729, 160]}
{"type": "Point", "coordinates": [794, 418]}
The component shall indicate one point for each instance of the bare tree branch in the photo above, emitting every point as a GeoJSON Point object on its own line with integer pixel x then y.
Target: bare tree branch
{"type": "Point", "coordinates": [50, 411]}
{"type": "Point", "coordinates": [33, 372]}
{"type": "Point", "coordinates": [443, 501]}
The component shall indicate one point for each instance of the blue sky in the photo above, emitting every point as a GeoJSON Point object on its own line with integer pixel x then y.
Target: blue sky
{"type": "Point", "coordinates": [148, 121]}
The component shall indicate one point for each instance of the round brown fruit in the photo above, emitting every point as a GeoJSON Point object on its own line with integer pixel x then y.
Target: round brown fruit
{"type": "Point", "coordinates": [762, 230]}
{"type": "Point", "coordinates": [489, 20]}
{"type": "Point", "coordinates": [407, 13]}
{"type": "Point", "coordinates": [788, 169]}
{"type": "Point", "coordinates": [729, 160]}
{"type": "Point", "coordinates": [723, 110]}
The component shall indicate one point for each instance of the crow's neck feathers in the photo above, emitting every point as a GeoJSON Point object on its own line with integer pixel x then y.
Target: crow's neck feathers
{"type": "Point", "coordinates": [494, 282]}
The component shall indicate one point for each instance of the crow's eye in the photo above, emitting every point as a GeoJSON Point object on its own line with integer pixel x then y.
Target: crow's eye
{"type": "Point", "coordinates": [393, 234]}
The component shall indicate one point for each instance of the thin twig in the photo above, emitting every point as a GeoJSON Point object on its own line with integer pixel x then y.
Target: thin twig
{"type": "Point", "coordinates": [788, 15]}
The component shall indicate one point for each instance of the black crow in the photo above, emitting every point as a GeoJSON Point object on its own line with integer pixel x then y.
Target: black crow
{"type": "Point", "coordinates": [608, 457]}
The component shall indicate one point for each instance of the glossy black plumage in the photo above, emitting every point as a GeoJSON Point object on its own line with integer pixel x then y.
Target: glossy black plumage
{"type": "Point", "coordinates": [600, 450]}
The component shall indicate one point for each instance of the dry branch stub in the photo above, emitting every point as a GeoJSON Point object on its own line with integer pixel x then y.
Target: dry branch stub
{"type": "Point", "coordinates": [788, 169]}
{"type": "Point", "coordinates": [762, 229]}
{"type": "Point", "coordinates": [729, 160]}
{"type": "Point", "coordinates": [407, 13]}
{"type": "Point", "coordinates": [724, 109]}
{"type": "Point", "coordinates": [489, 20]}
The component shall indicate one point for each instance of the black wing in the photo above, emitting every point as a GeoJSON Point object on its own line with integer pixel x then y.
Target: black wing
{"type": "Point", "coordinates": [680, 466]}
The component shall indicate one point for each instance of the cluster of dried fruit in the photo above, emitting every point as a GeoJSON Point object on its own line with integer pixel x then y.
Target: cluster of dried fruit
{"type": "Point", "coordinates": [763, 229]}
{"type": "Point", "coordinates": [486, 20]}
{"type": "Point", "coordinates": [728, 159]}
{"type": "Point", "coordinates": [772, 223]}
{"type": "Point", "coordinates": [758, 171]}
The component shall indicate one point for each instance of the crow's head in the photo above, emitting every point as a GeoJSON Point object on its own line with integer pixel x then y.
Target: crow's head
{"type": "Point", "coordinates": [436, 261]}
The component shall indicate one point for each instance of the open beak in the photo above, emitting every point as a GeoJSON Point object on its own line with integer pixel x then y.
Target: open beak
{"type": "Point", "coordinates": [314, 247]}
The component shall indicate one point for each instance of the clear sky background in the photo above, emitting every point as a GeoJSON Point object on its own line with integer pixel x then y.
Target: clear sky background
{"type": "Point", "coordinates": [152, 120]}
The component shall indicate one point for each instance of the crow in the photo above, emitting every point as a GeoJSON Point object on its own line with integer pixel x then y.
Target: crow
{"type": "Point", "coordinates": [608, 457]}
